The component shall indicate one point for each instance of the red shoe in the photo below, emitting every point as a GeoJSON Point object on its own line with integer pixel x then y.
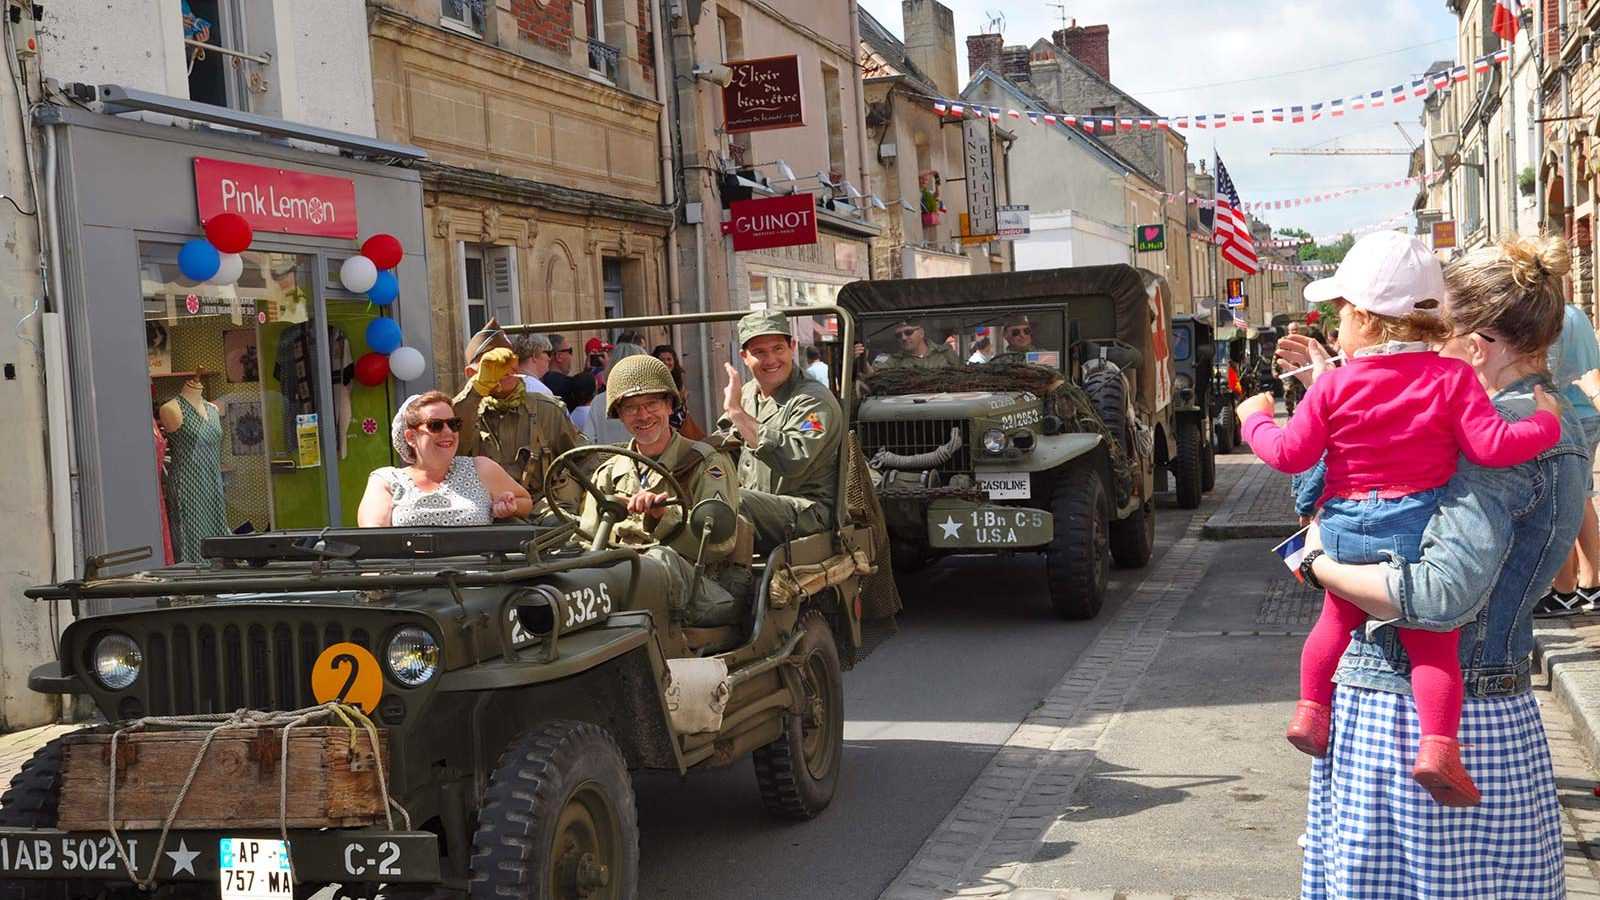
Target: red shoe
{"type": "Point", "coordinates": [1308, 730]}
{"type": "Point", "coordinates": [1439, 769]}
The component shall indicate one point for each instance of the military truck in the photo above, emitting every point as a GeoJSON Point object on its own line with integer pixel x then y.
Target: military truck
{"type": "Point", "coordinates": [450, 712]}
{"type": "Point", "coordinates": [1193, 464]}
{"type": "Point", "coordinates": [1049, 446]}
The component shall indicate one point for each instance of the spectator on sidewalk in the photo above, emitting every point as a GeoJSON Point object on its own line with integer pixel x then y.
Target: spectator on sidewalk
{"type": "Point", "coordinates": [1577, 585]}
{"type": "Point", "coordinates": [601, 428]}
{"type": "Point", "coordinates": [816, 369]}
{"type": "Point", "coordinates": [533, 362]}
{"type": "Point", "coordinates": [1498, 538]}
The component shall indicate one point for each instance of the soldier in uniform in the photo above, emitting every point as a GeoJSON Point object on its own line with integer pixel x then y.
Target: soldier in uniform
{"type": "Point", "coordinates": [520, 429]}
{"type": "Point", "coordinates": [1017, 335]}
{"type": "Point", "coordinates": [916, 352]}
{"type": "Point", "coordinates": [790, 428]}
{"type": "Point", "coordinates": [640, 391]}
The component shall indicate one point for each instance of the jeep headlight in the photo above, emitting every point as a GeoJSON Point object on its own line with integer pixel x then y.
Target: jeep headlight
{"type": "Point", "coordinates": [413, 656]}
{"type": "Point", "coordinates": [1183, 382]}
{"type": "Point", "coordinates": [117, 660]}
{"type": "Point", "coordinates": [994, 441]}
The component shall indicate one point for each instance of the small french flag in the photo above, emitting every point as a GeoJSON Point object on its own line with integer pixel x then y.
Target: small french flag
{"type": "Point", "coordinates": [941, 107]}
{"type": "Point", "coordinates": [1293, 551]}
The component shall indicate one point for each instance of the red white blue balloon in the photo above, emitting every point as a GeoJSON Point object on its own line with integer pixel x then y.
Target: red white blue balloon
{"type": "Point", "coordinates": [406, 363]}
{"type": "Point", "coordinates": [383, 336]}
{"type": "Point", "coordinates": [230, 270]}
{"type": "Point", "coordinates": [384, 289]}
{"type": "Point", "coordinates": [198, 260]}
{"type": "Point", "coordinates": [358, 274]}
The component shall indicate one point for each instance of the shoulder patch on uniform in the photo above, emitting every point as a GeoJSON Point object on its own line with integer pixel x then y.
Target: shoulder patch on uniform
{"type": "Point", "coordinates": [715, 471]}
{"type": "Point", "coordinates": [812, 424]}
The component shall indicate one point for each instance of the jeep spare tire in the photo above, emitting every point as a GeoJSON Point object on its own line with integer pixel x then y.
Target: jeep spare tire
{"type": "Point", "coordinates": [34, 801]}
{"type": "Point", "coordinates": [1109, 393]}
{"type": "Point", "coordinates": [558, 819]}
{"type": "Point", "coordinates": [1077, 561]}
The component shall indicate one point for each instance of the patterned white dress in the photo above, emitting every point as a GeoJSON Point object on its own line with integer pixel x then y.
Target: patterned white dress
{"type": "Point", "coordinates": [460, 500]}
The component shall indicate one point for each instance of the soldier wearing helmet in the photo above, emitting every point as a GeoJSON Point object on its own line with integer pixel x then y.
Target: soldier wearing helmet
{"type": "Point", "coordinates": [501, 419]}
{"type": "Point", "coordinates": [640, 392]}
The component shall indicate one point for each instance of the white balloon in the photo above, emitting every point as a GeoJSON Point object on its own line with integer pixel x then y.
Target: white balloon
{"type": "Point", "coordinates": [358, 274]}
{"type": "Point", "coordinates": [406, 363]}
{"type": "Point", "coordinates": [232, 267]}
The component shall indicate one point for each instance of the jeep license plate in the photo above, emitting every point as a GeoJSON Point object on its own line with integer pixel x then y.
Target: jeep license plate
{"type": "Point", "coordinates": [1006, 485]}
{"type": "Point", "coordinates": [254, 869]}
{"type": "Point", "coordinates": [960, 526]}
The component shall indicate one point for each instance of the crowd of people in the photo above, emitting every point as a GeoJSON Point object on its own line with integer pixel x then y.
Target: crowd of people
{"type": "Point", "coordinates": [1446, 452]}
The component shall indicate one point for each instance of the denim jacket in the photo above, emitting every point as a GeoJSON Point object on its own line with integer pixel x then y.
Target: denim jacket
{"type": "Point", "coordinates": [1488, 555]}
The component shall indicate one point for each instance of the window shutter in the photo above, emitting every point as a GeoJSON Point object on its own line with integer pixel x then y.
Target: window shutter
{"type": "Point", "coordinates": [502, 286]}
{"type": "Point", "coordinates": [1552, 27]}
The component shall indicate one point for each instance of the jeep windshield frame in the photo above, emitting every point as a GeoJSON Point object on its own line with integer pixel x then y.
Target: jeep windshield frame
{"type": "Point", "coordinates": [1048, 326]}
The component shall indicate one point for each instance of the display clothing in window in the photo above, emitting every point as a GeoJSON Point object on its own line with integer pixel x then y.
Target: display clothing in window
{"type": "Point", "coordinates": [295, 370]}
{"type": "Point", "coordinates": [460, 500]}
{"type": "Point", "coordinates": [196, 473]}
{"type": "Point", "coordinates": [161, 491]}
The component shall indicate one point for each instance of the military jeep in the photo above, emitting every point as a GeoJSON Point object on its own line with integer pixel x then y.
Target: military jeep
{"type": "Point", "coordinates": [1049, 446]}
{"type": "Point", "coordinates": [1193, 467]}
{"type": "Point", "coordinates": [436, 712]}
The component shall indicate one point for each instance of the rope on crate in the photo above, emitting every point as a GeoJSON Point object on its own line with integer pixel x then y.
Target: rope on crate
{"type": "Point", "coordinates": [216, 723]}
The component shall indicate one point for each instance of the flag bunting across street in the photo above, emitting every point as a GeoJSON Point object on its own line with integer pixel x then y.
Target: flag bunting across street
{"type": "Point", "coordinates": [1292, 114]}
{"type": "Point", "coordinates": [1339, 194]}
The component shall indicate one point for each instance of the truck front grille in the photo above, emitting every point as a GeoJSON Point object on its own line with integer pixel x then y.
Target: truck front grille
{"type": "Point", "coordinates": [918, 436]}
{"type": "Point", "coordinates": [208, 667]}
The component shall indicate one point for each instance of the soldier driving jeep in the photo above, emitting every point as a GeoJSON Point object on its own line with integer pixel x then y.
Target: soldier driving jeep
{"type": "Point", "coordinates": [917, 352]}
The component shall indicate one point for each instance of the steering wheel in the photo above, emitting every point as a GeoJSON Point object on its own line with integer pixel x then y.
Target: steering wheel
{"type": "Point", "coordinates": [609, 503]}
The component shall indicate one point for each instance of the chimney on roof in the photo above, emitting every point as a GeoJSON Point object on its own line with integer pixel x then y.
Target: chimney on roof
{"type": "Point", "coordinates": [1014, 63]}
{"type": "Point", "coordinates": [1090, 45]}
{"type": "Point", "coordinates": [930, 31]}
{"type": "Point", "coordinates": [984, 50]}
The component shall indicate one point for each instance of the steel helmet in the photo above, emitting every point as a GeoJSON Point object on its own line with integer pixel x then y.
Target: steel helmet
{"type": "Point", "coordinates": [636, 375]}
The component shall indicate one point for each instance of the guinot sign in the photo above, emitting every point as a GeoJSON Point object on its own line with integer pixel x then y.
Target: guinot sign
{"type": "Point", "coordinates": [273, 199]}
{"type": "Point", "coordinates": [769, 222]}
{"type": "Point", "coordinates": [764, 93]}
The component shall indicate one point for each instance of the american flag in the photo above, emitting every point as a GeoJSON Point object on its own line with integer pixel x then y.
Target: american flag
{"type": "Point", "coordinates": [1232, 230]}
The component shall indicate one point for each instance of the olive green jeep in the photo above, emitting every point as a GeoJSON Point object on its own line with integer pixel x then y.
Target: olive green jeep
{"type": "Point", "coordinates": [1039, 430]}
{"type": "Point", "coordinates": [433, 712]}
{"type": "Point", "coordinates": [1193, 467]}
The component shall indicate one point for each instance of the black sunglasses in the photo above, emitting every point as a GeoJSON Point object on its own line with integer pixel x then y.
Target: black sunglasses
{"type": "Point", "coordinates": [906, 332]}
{"type": "Point", "coordinates": [434, 426]}
{"type": "Point", "coordinates": [1018, 332]}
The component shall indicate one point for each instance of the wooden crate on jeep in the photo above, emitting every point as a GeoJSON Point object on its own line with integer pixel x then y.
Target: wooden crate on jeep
{"type": "Point", "coordinates": [333, 779]}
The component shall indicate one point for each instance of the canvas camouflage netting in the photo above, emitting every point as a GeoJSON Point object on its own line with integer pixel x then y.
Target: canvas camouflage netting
{"type": "Point", "coordinates": [1062, 398]}
{"type": "Point", "coordinates": [880, 599]}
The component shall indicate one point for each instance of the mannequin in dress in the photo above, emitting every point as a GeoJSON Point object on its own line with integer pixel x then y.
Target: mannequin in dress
{"type": "Point", "coordinates": [194, 430]}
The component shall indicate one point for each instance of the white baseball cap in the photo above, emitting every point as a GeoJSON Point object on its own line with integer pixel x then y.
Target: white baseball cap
{"type": "Point", "coordinates": [1386, 273]}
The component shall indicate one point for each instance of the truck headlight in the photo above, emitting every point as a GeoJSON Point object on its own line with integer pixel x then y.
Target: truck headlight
{"type": "Point", "coordinates": [413, 656]}
{"type": "Point", "coordinates": [994, 441]}
{"type": "Point", "coordinates": [117, 661]}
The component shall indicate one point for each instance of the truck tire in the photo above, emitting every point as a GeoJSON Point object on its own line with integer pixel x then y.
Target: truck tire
{"type": "Point", "coordinates": [33, 801]}
{"type": "Point", "coordinates": [1077, 562]}
{"type": "Point", "coordinates": [558, 819]}
{"type": "Point", "coordinates": [1186, 465]}
{"type": "Point", "coordinates": [1109, 393]}
{"type": "Point", "coordinates": [1208, 466]}
{"type": "Point", "coordinates": [1227, 430]}
{"type": "Point", "coordinates": [798, 772]}
{"type": "Point", "coordinates": [1133, 539]}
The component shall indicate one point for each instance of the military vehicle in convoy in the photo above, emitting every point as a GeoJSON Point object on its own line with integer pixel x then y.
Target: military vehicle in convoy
{"type": "Point", "coordinates": [447, 712]}
{"type": "Point", "coordinates": [1048, 442]}
{"type": "Point", "coordinates": [1193, 465]}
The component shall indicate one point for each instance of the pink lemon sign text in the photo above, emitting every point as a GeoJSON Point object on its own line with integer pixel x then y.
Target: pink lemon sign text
{"type": "Point", "coordinates": [784, 221]}
{"type": "Point", "coordinates": [272, 199]}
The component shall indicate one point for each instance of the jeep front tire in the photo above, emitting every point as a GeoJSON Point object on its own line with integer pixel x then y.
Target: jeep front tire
{"type": "Point", "coordinates": [558, 819]}
{"type": "Point", "coordinates": [1077, 561]}
{"type": "Point", "coordinates": [1133, 539]}
{"type": "Point", "coordinates": [1186, 465]}
{"type": "Point", "coordinates": [800, 770]}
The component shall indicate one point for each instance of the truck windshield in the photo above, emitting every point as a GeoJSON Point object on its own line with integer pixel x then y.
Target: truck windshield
{"type": "Point", "coordinates": [947, 337]}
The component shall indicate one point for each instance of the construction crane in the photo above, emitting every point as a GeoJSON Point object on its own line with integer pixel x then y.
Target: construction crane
{"type": "Point", "coordinates": [1349, 151]}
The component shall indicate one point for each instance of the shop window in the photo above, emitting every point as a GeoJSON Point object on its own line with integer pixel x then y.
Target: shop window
{"type": "Point", "coordinates": [488, 286]}
{"type": "Point", "coordinates": [612, 295]}
{"type": "Point", "coordinates": [758, 291]}
{"type": "Point", "coordinates": [832, 100]}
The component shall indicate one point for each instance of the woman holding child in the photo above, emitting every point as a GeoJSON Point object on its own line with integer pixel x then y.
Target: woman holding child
{"type": "Point", "coordinates": [1433, 776]}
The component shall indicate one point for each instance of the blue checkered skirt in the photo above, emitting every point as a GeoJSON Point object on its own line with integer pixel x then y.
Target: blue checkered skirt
{"type": "Point", "coordinates": [1373, 833]}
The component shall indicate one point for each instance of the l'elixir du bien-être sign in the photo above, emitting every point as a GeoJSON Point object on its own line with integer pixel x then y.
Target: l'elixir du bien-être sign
{"type": "Point", "coordinates": [764, 94]}
{"type": "Point", "coordinates": [272, 199]}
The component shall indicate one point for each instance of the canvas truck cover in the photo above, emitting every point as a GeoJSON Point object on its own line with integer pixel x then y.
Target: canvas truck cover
{"type": "Point", "coordinates": [1119, 301]}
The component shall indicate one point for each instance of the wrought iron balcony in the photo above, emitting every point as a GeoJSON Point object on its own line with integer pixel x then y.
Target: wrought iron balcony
{"type": "Point", "coordinates": [603, 58]}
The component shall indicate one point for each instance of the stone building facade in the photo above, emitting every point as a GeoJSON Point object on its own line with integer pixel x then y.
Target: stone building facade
{"type": "Point", "coordinates": [544, 126]}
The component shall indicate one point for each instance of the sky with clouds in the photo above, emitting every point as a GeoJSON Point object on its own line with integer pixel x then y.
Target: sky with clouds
{"type": "Point", "coordinates": [1186, 57]}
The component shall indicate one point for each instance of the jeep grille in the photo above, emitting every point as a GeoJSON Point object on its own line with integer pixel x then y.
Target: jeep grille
{"type": "Point", "coordinates": [922, 436]}
{"type": "Point", "coordinates": [221, 666]}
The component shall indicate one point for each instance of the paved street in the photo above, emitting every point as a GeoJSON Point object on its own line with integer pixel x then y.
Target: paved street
{"type": "Point", "coordinates": [992, 750]}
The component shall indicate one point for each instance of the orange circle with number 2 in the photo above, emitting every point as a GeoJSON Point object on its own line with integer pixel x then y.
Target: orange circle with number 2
{"type": "Point", "coordinates": [348, 673]}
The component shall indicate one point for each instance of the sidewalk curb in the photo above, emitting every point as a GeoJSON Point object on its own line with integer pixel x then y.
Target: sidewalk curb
{"type": "Point", "coordinates": [1239, 518]}
{"type": "Point", "coordinates": [1574, 671]}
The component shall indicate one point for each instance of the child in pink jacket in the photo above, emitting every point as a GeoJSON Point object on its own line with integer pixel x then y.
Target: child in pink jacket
{"type": "Point", "coordinates": [1392, 421]}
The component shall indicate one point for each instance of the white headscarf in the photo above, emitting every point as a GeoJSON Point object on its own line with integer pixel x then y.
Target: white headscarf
{"type": "Point", "coordinates": [397, 432]}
